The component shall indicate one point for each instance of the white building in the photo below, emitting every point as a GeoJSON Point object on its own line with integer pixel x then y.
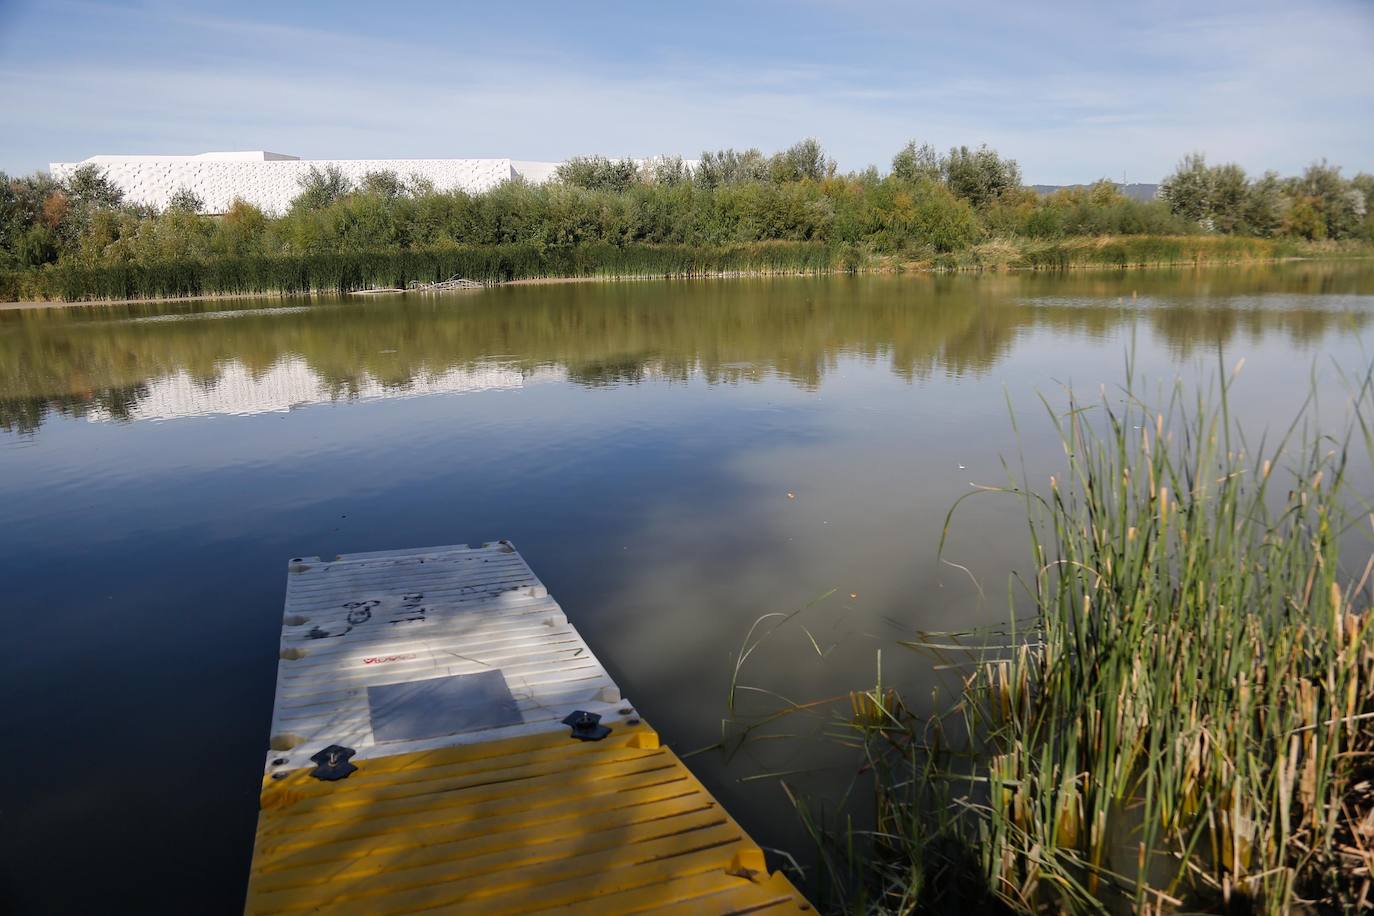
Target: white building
{"type": "Point", "coordinates": [271, 180]}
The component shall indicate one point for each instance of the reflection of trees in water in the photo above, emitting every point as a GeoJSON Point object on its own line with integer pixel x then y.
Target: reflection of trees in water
{"type": "Point", "coordinates": [22, 415]}
{"type": "Point", "coordinates": [611, 372]}
{"type": "Point", "coordinates": [622, 333]}
{"type": "Point", "coordinates": [1188, 331]}
{"type": "Point", "coordinates": [26, 414]}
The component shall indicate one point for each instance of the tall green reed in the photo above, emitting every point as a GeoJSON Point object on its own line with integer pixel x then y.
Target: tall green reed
{"type": "Point", "coordinates": [1184, 720]}
{"type": "Point", "coordinates": [349, 271]}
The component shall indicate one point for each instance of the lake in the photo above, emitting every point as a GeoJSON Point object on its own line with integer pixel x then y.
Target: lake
{"type": "Point", "coordinates": [673, 459]}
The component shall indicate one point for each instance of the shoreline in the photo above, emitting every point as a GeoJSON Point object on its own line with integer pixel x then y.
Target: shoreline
{"type": "Point", "coordinates": [884, 270]}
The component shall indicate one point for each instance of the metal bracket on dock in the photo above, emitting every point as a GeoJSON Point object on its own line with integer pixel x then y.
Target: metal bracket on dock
{"type": "Point", "coordinates": [584, 725]}
{"type": "Point", "coordinates": [332, 763]}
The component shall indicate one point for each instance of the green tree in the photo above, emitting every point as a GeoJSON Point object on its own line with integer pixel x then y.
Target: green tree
{"type": "Point", "coordinates": [980, 176]}
{"type": "Point", "coordinates": [1305, 220]}
{"type": "Point", "coordinates": [943, 221]}
{"type": "Point", "coordinates": [597, 173]}
{"type": "Point", "coordinates": [1364, 183]}
{"type": "Point", "coordinates": [1265, 205]}
{"type": "Point", "coordinates": [1331, 195]}
{"type": "Point", "coordinates": [383, 183]}
{"type": "Point", "coordinates": [914, 162]}
{"type": "Point", "coordinates": [921, 214]}
{"type": "Point", "coordinates": [1188, 191]}
{"type": "Point", "coordinates": [89, 186]}
{"type": "Point", "coordinates": [185, 200]}
{"type": "Point", "coordinates": [1105, 193]}
{"type": "Point", "coordinates": [802, 161]}
{"type": "Point", "coordinates": [1047, 221]}
{"type": "Point", "coordinates": [417, 185]}
{"type": "Point", "coordinates": [321, 187]}
{"type": "Point", "coordinates": [667, 171]}
{"type": "Point", "coordinates": [241, 231]}
{"type": "Point", "coordinates": [1227, 196]}
{"type": "Point", "coordinates": [73, 208]}
{"type": "Point", "coordinates": [21, 202]}
{"type": "Point", "coordinates": [730, 167]}
{"type": "Point", "coordinates": [36, 246]}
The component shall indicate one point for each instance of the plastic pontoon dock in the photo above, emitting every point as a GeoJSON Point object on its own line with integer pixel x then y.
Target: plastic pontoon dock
{"type": "Point", "coordinates": [436, 746]}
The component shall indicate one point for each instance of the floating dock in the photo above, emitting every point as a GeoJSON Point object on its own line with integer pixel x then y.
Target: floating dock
{"type": "Point", "coordinates": [443, 739]}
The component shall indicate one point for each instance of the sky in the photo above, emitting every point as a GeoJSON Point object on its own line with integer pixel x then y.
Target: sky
{"type": "Point", "coordinates": [1072, 91]}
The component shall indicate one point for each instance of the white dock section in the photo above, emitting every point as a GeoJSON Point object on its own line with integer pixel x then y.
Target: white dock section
{"type": "Point", "coordinates": [399, 651]}
{"type": "Point", "coordinates": [421, 760]}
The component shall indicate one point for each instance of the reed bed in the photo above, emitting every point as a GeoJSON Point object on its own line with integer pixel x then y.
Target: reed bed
{"type": "Point", "coordinates": [349, 271]}
{"type": "Point", "coordinates": [1149, 251]}
{"type": "Point", "coordinates": [1185, 720]}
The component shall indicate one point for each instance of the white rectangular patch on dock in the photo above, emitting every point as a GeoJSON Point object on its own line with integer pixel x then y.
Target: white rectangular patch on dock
{"type": "Point", "coordinates": [399, 651]}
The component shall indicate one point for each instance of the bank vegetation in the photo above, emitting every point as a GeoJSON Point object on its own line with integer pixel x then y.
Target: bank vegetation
{"type": "Point", "coordinates": [1178, 715]}
{"type": "Point", "coordinates": [735, 211]}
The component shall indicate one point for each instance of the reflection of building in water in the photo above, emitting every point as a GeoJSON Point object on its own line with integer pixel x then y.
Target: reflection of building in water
{"type": "Point", "coordinates": [293, 383]}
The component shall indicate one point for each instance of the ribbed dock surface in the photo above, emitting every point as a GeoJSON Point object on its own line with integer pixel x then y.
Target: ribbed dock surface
{"type": "Point", "coordinates": [470, 794]}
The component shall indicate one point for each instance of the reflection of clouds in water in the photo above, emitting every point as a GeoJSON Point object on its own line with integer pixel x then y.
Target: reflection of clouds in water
{"type": "Point", "coordinates": [680, 587]}
{"type": "Point", "coordinates": [847, 489]}
{"type": "Point", "coordinates": [695, 571]}
{"type": "Point", "coordinates": [293, 383]}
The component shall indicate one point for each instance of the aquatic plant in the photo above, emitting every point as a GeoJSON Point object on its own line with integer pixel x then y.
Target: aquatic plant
{"type": "Point", "coordinates": [1179, 713]}
{"type": "Point", "coordinates": [347, 271]}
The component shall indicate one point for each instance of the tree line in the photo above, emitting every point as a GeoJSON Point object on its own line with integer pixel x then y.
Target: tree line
{"type": "Point", "coordinates": [927, 204]}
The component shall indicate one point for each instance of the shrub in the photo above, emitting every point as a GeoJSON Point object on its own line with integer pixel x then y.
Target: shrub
{"type": "Point", "coordinates": [915, 162]}
{"type": "Point", "coordinates": [802, 161]}
{"type": "Point", "coordinates": [597, 173]}
{"type": "Point", "coordinates": [980, 176]}
{"type": "Point", "coordinates": [90, 186]}
{"type": "Point", "coordinates": [321, 187]}
{"type": "Point", "coordinates": [184, 200]}
{"type": "Point", "coordinates": [729, 167]}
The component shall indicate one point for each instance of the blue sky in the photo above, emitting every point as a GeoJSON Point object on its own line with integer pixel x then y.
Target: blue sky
{"type": "Point", "coordinates": [1073, 91]}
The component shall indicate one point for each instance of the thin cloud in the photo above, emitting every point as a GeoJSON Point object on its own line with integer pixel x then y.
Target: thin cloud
{"type": "Point", "coordinates": [1073, 95]}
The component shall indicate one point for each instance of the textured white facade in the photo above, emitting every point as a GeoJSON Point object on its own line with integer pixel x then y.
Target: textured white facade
{"type": "Point", "coordinates": [272, 180]}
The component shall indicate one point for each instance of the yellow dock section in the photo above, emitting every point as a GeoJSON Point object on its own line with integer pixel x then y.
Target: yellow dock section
{"type": "Point", "coordinates": [523, 824]}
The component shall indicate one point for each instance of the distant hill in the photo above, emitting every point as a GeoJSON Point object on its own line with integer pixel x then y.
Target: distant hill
{"type": "Point", "coordinates": [1133, 191]}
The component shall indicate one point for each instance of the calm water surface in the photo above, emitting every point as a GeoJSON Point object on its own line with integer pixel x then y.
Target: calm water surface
{"type": "Point", "coordinates": [638, 442]}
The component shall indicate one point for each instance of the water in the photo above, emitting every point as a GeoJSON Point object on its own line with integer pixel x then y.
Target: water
{"type": "Point", "coordinates": [673, 459]}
